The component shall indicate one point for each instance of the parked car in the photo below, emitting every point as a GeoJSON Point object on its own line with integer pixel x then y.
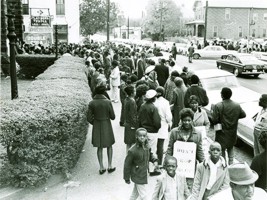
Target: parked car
{"type": "Point", "coordinates": [241, 63]}
{"type": "Point", "coordinates": [211, 52]}
{"type": "Point", "coordinates": [213, 80]}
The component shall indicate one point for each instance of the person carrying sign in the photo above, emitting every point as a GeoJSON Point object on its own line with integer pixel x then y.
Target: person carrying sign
{"type": "Point", "coordinates": [186, 132]}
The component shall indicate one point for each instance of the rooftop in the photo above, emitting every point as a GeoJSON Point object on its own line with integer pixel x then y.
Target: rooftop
{"type": "Point", "coordinates": [236, 3]}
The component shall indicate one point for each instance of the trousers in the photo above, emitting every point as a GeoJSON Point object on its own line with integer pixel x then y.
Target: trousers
{"type": "Point", "coordinates": [139, 192]}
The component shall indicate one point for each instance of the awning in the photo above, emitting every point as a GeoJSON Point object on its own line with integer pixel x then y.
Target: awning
{"type": "Point", "coordinates": [195, 22]}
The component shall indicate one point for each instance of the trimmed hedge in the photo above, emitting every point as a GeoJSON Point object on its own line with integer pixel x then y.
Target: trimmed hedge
{"type": "Point", "coordinates": [44, 132]}
{"type": "Point", "coordinates": [33, 65]}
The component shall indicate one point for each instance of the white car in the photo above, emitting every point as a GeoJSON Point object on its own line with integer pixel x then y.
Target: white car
{"type": "Point", "coordinates": [213, 80]}
{"type": "Point", "coordinates": [211, 52]}
{"type": "Point", "coordinates": [260, 55]}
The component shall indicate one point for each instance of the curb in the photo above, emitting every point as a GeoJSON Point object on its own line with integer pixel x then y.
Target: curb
{"type": "Point", "coordinates": [12, 193]}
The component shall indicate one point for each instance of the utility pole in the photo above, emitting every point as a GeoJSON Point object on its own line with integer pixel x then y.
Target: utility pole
{"type": "Point", "coordinates": [56, 40]}
{"type": "Point", "coordinates": [12, 40]}
{"type": "Point", "coordinates": [108, 1]}
{"type": "Point", "coordinates": [206, 19]}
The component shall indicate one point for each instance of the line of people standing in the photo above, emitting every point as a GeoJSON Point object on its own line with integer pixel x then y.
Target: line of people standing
{"type": "Point", "coordinates": [156, 105]}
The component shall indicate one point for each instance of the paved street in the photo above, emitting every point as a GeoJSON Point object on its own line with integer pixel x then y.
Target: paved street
{"type": "Point", "coordinates": [255, 84]}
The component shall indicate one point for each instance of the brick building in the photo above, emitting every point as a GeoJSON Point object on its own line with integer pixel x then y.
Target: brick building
{"type": "Point", "coordinates": [230, 19]}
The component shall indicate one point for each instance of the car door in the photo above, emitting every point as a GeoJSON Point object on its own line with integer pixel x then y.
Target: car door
{"type": "Point", "coordinates": [228, 63]}
{"type": "Point", "coordinates": [218, 52]}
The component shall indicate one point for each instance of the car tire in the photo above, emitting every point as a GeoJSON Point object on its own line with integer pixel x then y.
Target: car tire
{"type": "Point", "coordinates": [196, 56]}
{"type": "Point", "coordinates": [236, 73]}
{"type": "Point", "coordinates": [256, 75]}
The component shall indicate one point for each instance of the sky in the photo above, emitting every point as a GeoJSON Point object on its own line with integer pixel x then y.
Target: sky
{"type": "Point", "coordinates": [134, 8]}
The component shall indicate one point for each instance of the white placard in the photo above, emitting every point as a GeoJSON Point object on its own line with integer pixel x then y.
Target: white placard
{"type": "Point", "coordinates": [185, 153]}
{"type": "Point", "coordinates": [202, 131]}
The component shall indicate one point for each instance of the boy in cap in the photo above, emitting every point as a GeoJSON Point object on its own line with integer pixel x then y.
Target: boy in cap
{"type": "Point", "coordinates": [242, 187]}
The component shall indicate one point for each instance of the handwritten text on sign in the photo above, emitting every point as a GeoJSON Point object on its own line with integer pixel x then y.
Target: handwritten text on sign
{"type": "Point", "coordinates": [185, 153]}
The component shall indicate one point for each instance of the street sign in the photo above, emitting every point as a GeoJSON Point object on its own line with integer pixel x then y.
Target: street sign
{"type": "Point", "coordinates": [40, 21]}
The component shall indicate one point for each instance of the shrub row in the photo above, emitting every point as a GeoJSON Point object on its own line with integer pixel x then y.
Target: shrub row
{"type": "Point", "coordinates": [33, 65]}
{"type": "Point", "coordinates": [44, 131]}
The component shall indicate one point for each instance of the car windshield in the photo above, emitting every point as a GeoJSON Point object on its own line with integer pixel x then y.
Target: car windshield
{"type": "Point", "coordinates": [248, 58]}
{"type": "Point", "coordinates": [217, 83]}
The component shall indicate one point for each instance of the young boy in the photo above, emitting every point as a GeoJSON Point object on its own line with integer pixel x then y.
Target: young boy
{"type": "Point", "coordinates": [136, 165]}
{"type": "Point", "coordinates": [170, 185]}
{"type": "Point", "coordinates": [211, 175]}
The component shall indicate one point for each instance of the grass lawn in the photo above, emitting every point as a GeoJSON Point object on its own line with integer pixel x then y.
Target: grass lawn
{"type": "Point", "coordinates": [5, 94]}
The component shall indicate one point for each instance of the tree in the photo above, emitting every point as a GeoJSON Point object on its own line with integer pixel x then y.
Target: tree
{"type": "Point", "coordinates": [162, 19]}
{"type": "Point", "coordinates": [93, 16]}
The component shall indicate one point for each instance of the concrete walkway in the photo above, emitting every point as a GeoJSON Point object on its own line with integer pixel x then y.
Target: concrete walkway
{"type": "Point", "coordinates": [86, 183]}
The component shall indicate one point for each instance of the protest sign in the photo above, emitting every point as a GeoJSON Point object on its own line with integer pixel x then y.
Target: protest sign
{"type": "Point", "coordinates": [185, 153]}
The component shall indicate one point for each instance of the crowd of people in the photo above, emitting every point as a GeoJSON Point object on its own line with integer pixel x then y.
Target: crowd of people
{"type": "Point", "coordinates": [160, 104]}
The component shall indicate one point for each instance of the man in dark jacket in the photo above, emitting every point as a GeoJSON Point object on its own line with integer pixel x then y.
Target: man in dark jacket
{"type": "Point", "coordinates": [197, 90]}
{"type": "Point", "coordinates": [227, 113]}
{"type": "Point", "coordinates": [162, 72]}
{"type": "Point", "coordinates": [174, 51]}
{"type": "Point", "coordinates": [150, 120]}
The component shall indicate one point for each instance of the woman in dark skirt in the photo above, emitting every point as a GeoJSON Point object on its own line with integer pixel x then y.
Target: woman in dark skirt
{"type": "Point", "coordinates": [100, 114]}
{"type": "Point", "coordinates": [130, 114]}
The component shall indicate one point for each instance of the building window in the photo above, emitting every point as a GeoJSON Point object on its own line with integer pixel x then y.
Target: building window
{"type": "Point", "coordinates": [253, 32]}
{"type": "Point", "coordinates": [215, 31]}
{"type": "Point", "coordinates": [60, 7]}
{"type": "Point", "coordinates": [265, 16]}
{"type": "Point", "coordinates": [227, 13]}
{"type": "Point", "coordinates": [240, 33]}
{"type": "Point", "coordinates": [264, 32]}
{"type": "Point", "coordinates": [25, 7]}
{"type": "Point", "coordinates": [255, 17]}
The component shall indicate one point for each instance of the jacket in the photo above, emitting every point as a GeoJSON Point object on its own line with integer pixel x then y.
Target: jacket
{"type": "Point", "coordinates": [227, 113]}
{"type": "Point", "coordinates": [149, 117]}
{"type": "Point", "coordinates": [199, 92]}
{"type": "Point", "coordinates": [162, 73]}
{"type": "Point", "coordinates": [165, 114]}
{"type": "Point", "coordinates": [194, 137]}
{"type": "Point", "coordinates": [201, 180]}
{"type": "Point", "coordinates": [100, 113]}
{"type": "Point", "coordinates": [182, 191]}
{"type": "Point", "coordinates": [115, 77]}
{"type": "Point", "coordinates": [136, 164]}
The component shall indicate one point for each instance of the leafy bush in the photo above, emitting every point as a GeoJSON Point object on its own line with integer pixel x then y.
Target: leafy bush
{"type": "Point", "coordinates": [44, 131]}
{"type": "Point", "coordinates": [33, 65]}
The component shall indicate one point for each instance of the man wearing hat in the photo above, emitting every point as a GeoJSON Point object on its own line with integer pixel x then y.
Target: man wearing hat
{"type": "Point", "coordinates": [150, 120]}
{"type": "Point", "coordinates": [242, 180]}
{"type": "Point", "coordinates": [260, 123]}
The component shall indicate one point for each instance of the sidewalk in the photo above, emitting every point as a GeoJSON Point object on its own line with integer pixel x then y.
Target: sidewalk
{"type": "Point", "coordinates": [86, 182]}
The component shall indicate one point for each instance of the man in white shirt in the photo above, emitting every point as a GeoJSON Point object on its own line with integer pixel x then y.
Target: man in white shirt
{"type": "Point", "coordinates": [242, 187]}
{"type": "Point", "coordinates": [165, 114]}
{"type": "Point", "coordinates": [260, 123]}
{"type": "Point", "coordinates": [115, 81]}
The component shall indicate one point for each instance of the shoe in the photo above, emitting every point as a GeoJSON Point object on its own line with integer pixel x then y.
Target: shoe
{"type": "Point", "coordinates": [155, 173]}
{"type": "Point", "coordinates": [102, 171]}
{"type": "Point", "coordinates": [111, 170]}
